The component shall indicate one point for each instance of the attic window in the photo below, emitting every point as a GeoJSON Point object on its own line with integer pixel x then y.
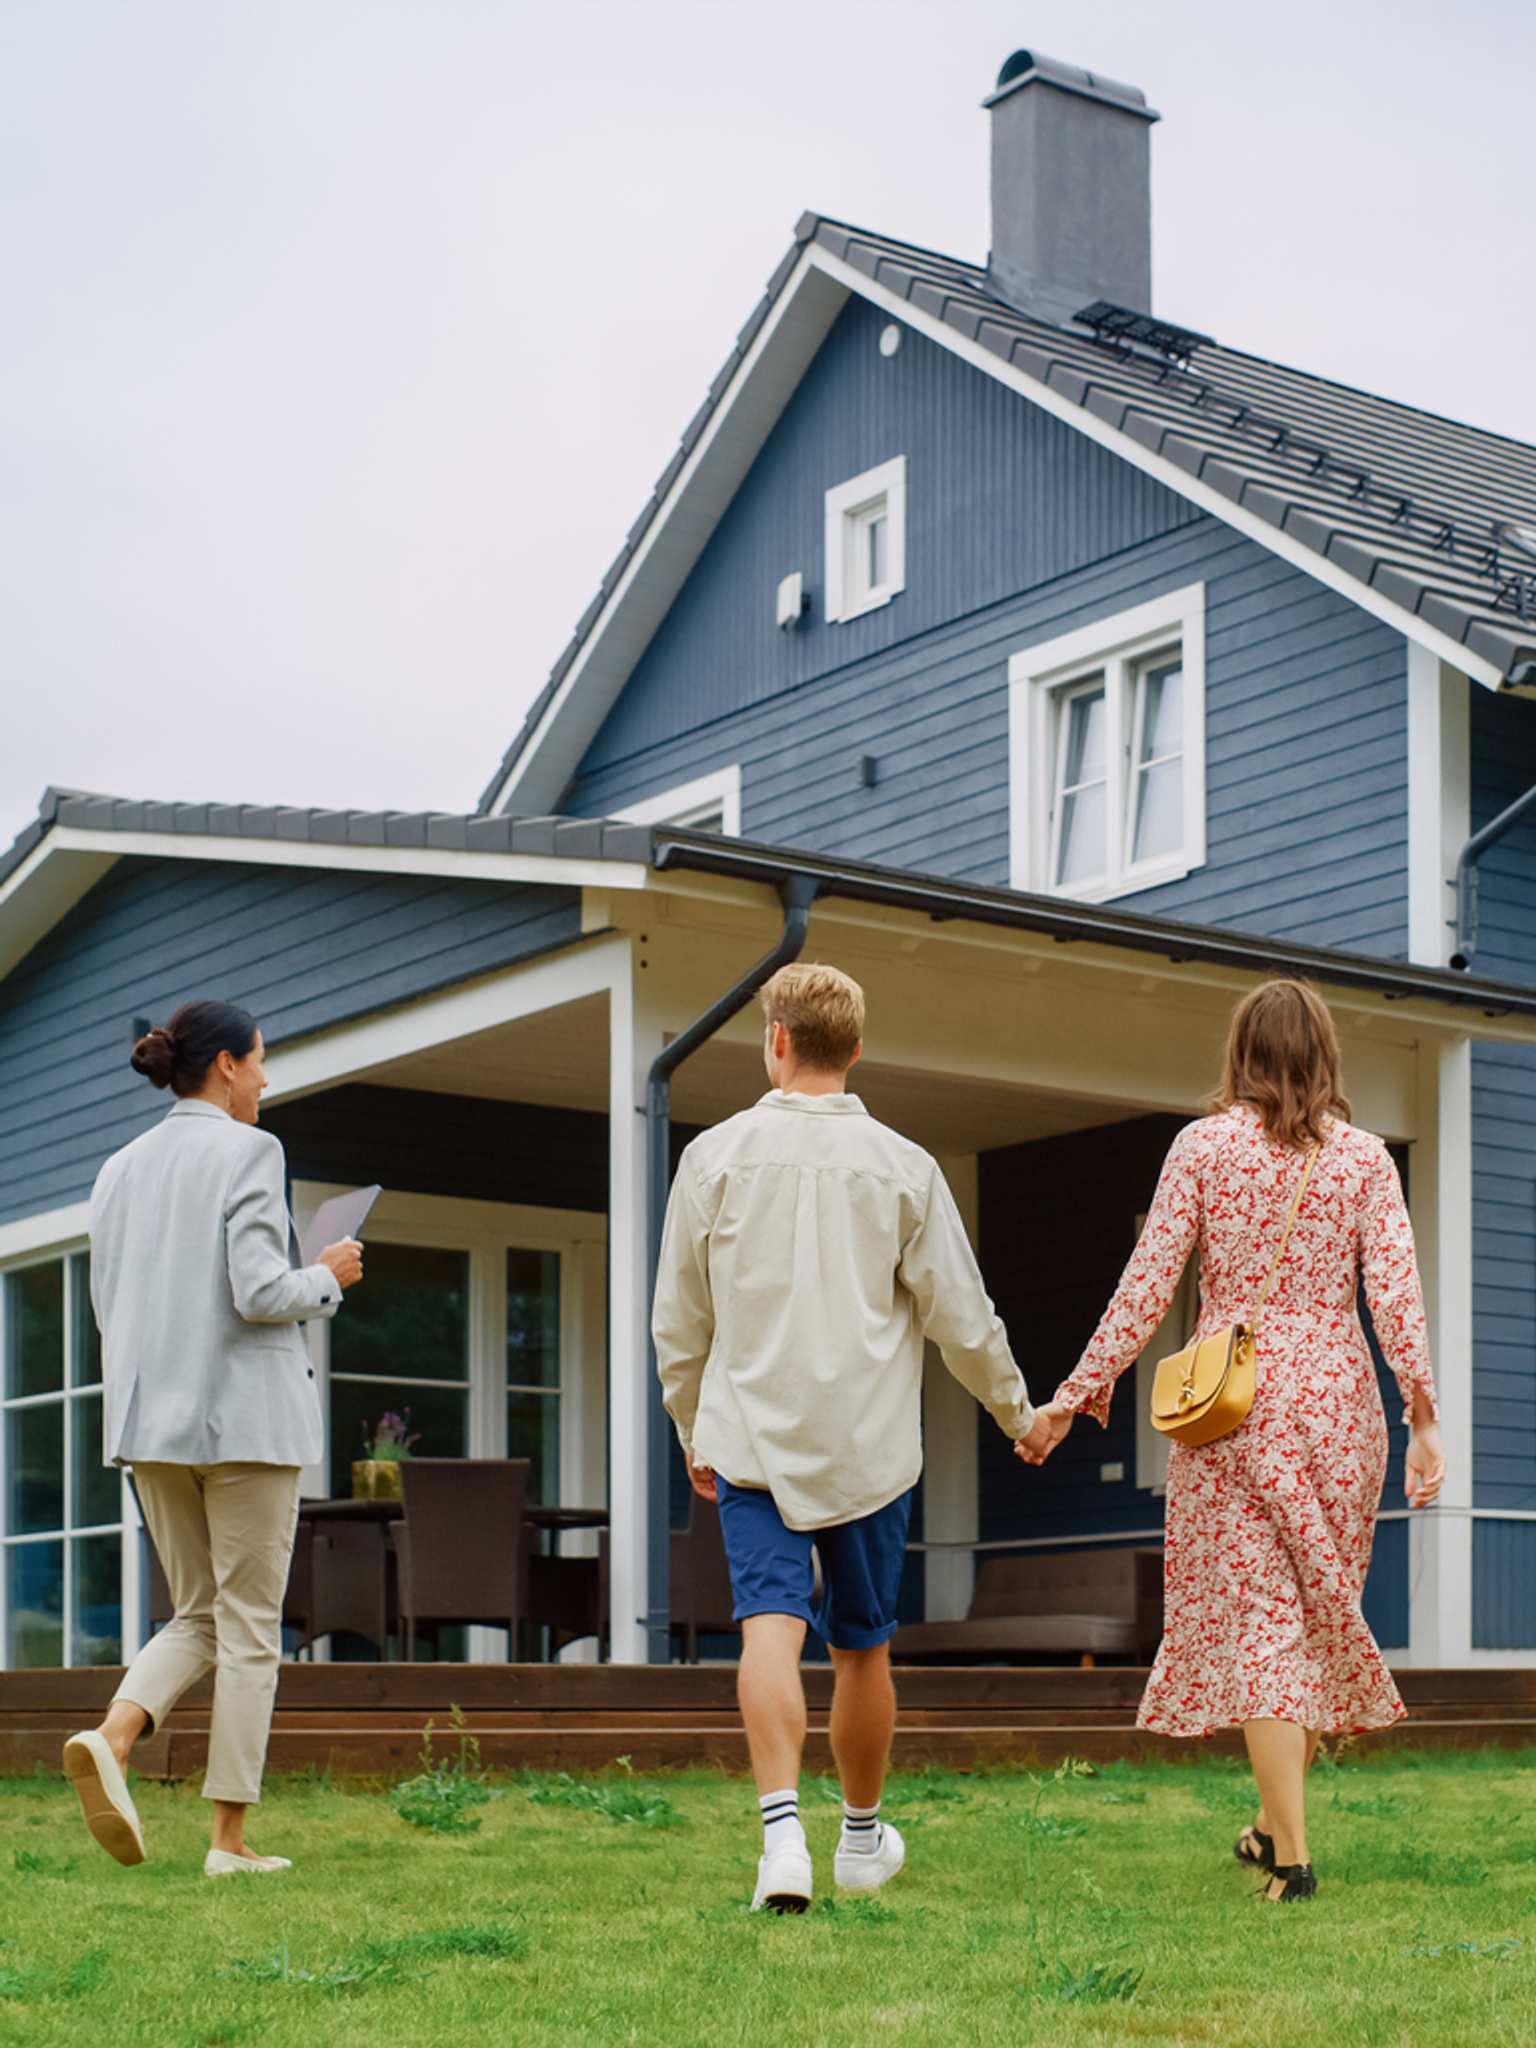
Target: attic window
{"type": "Point", "coordinates": [866, 540]}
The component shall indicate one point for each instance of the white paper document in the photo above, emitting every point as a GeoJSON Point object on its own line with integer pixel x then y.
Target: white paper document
{"type": "Point", "coordinates": [342, 1216]}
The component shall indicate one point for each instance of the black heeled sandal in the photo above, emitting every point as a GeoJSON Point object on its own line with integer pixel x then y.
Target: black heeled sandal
{"type": "Point", "coordinates": [1299, 1881]}
{"type": "Point", "coordinates": [1260, 1858]}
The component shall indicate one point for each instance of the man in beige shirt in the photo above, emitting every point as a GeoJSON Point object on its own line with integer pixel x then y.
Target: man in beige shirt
{"type": "Point", "coordinates": [807, 1254]}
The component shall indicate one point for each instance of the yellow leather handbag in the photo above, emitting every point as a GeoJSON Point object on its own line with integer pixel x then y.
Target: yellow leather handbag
{"type": "Point", "coordinates": [1206, 1390]}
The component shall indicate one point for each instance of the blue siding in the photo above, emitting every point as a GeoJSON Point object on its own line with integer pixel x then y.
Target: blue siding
{"type": "Point", "coordinates": [1019, 529]}
{"type": "Point", "coordinates": [1504, 1278]}
{"type": "Point", "coordinates": [300, 948]}
{"type": "Point", "coordinates": [1503, 750]}
{"type": "Point", "coordinates": [1385, 1600]}
{"type": "Point", "coordinates": [1504, 1585]}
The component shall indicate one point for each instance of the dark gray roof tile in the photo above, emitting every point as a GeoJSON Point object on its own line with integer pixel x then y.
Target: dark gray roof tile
{"type": "Point", "coordinates": [76, 810]}
{"type": "Point", "coordinates": [1068, 382]}
{"type": "Point", "coordinates": [405, 828]}
{"type": "Point", "coordinates": [965, 317]}
{"type": "Point", "coordinates": [292, 824]}
{"type": "Point", "coordinates": [534, 835]}
{"type": "Point", "coordinates": [366, 828]}
{"type": "Point", "coordinates": [159, 817]}
{"type": "Point", "coordinates": [755, 319]}
{"type": "Point", "coordinates": [128, 817]}
{"type": "Point", "coordinates": [259, 821]}
{"type": "Point", "coordinates": [1504, 645]}
{"type": "Point", "coordinates": [101, 814]}
{"type": "Point", "coordinates": [191, 818]}
{"type": "Point", "coordinates": [896, 277]}
{"type": "Point", "coordinates": [224, 821]}
{"type": "Point", "coordinates": [579, 839]}
{"type": "Point", "coordinates": [1443, 614]}
{"type": "Point", "coordinates": [927, 298]}
{"type": "Point", "coordinates": [834, 240]}
{"type": "Point", "coordinates": [1188, 455]}
{"type": "Point", "coordinates": [1312, 532]}
{"type": "Point", "coordinates": [1396, 586]}
{"type": "Point", "coordinates": [329, 828]}
{"type": "Point", "coordinates": [732, 364]}
{"type": "Point", "coordinates": [622, 841]}
{"type": "Point", "coordinates": [1264, 503]}
{"type": "Point", "coordinates": [452, 833]}
{"type": "Point", "coordinates": [1221, 476]}
{"type": "Point", "coordinates": [1351, 557]}
{"type": "Point", "coordinates": [1143, 429]}
{"type": "Point", "coordinates": [489, 835]}
{"type": "Point", "coordinates": [1105, 405]}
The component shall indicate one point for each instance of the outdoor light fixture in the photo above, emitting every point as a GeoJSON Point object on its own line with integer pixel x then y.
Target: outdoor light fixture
{"type": "Point", "coordinates": [793, 602]}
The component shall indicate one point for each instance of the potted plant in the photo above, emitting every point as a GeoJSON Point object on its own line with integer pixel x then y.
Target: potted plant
{"type": "Point", "coordinates": [376, 1475]}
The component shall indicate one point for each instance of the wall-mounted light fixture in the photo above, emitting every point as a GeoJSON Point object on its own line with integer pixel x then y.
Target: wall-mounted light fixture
{"type": "Point", "coordinates": [869, 771]}
{"type": "Point", "coordinates": [793, 601]}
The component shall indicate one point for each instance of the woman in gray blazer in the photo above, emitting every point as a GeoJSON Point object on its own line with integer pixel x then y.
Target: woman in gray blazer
{"type": "Point", "coordinates": [210, 1397]}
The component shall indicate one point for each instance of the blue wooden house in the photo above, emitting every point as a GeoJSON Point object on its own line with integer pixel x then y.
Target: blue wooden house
{"type": "Point", "coordinates": [1079, 672]}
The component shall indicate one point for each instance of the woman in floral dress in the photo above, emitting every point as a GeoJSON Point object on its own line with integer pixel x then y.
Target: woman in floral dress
{"type": "Point", "coordinates": [1269, 1528]}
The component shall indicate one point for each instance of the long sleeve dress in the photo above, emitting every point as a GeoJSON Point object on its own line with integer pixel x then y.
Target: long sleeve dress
{"type": "Point", "coordinates": [1268, 1529]}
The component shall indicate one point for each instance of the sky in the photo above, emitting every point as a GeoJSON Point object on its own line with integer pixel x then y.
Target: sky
{"type": "Point", "coordinates": [342, 340]}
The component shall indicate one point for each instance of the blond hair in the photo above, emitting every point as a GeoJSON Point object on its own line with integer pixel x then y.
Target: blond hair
{"type": "Point", "coordinates": [822, 1009]}
{"type": "Point", "coordinates": [1283, 1060]}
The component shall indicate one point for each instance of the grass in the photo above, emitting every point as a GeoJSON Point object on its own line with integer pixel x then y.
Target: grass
{"type": "Point", "coordinates": [1057, 1908]}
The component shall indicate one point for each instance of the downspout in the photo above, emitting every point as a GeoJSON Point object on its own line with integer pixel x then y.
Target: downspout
{"type": "Point", "coordinates": [1466, 877]}
{"type": "Point", "coordinates": [796, 893]}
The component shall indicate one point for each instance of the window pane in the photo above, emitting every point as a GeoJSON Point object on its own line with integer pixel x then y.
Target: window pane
{"type": "Point", "coordinates": [436, 1416]}
{"type": "Point", "coordinates": [409, 1320]}
{"type": "Point", "coordinates": [97, 1488]}
{"type": "Point", "coordinates": [34, 1329]}
{"type": "Point", "coordinates": [34, 1449]}
{"type": "Point", "coordinates": [96, 1625]}
{"type": "Point", "coordinates": [1080, 792]}
{"type": "Point", "coordinates": [533, 1432]}
{"type": "Point", "coordinates": [533, 1319]}
{"type": "Point", "coordinates": [35, 1603]}
{"type": "Point", "coordinates": [1159, 798]}
{"type": "Point", "coordinates": [86, 1365]}
{"type": "Point", "coordinates": [877, 531]}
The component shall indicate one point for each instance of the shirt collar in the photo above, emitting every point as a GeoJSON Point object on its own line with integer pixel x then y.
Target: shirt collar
{"type": "Point", "coordinates": [188, 1108]}
{"type": "Point", "coordinates": [816, 1105]}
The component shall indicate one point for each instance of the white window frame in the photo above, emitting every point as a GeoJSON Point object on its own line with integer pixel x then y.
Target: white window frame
{"type": "Point", "coordinates": [849, 507]}
{"type": "Point", "coordinates": [1041, 679]}
{"type": "Point", "coordinates": [693, 803]}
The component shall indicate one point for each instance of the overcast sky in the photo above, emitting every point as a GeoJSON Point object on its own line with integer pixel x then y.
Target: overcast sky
{"type": "Point", "coordinates": [342, 340]}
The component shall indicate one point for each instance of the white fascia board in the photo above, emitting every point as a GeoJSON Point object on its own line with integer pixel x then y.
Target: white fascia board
{"type": "Point", "coordinates": [1285, 545]}
{"type": "Point", "coordinates": [781, 352]}
{"type": "Point", "coordinates": [59, 1230]}
{"type": "Point", "coordinates": [46, 887]}
{"type": "Point", "coordinates": [352, 1051]}
{"type": "Point", "coordinates": [71, 859]}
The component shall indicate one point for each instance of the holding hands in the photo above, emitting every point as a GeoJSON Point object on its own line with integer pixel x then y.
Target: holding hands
{"type": "Point", "coordinates": [1050, 1425]}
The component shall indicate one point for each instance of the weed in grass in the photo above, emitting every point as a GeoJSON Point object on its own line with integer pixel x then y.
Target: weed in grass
{"type": "Point", "coordinates": [29, 1864]}
{"type": "Point", "coordinates": [1397, 1866]}
{"type": "Point", "coordinates": [75, 1980]}
{"type": "Point", "coordinates": [440, 1796]}
{"type": "Point", "coordinates": [342, 1973]}
{"type": "Point", "coordinates": [626, 1801]}
{"type": "Point", "coordinates": [1377, 1805]}
{"type": "Point", "coordinates": [1480, 1951]}
{"type": "Point", "coordinates": [1098, 1984]}
{"type": "Point", "coordinates": [1053, 1827]}
{"type": "Point", "coordinates": [1124, 1798]}
{"type": "Point", "coordinates": [502, 1944]}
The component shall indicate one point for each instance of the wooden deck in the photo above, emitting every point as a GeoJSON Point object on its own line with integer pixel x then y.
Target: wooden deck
{"type": "Point", "coordinates": [367, 1719]}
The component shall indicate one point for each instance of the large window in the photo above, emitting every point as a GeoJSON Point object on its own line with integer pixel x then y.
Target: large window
{"type": "Point", "coordinates": [63, 1507]}
{"type": "Point", "coordinates": [400, 1346]}
{"type": "Point", "coordinates": [1107, 744]}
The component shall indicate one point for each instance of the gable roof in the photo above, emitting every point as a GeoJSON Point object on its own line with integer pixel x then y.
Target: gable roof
{"type": "Point", "coordinates": [1397, 508]}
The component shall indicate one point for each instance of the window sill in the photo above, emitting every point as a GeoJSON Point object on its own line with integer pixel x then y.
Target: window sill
{"type": "Point", "coordinates": [1131, 884]}
{"type": "Point", "coordinates": [871, 603]}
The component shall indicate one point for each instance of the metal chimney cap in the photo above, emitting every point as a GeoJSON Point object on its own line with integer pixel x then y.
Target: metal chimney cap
{"type": "Point", "coordinates": [1026, 67]}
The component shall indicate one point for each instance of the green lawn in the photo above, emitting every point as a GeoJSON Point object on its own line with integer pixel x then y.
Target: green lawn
{"type": "Point", "coordinates": [1034, 1908]}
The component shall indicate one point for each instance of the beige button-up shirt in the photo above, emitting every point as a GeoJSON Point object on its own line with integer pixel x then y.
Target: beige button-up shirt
{"type": "Point", "coordinates": [808, 1252]}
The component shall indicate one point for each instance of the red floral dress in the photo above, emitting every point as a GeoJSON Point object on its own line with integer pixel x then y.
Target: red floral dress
{"type": "Point", "coordinates": [1269, 1529]}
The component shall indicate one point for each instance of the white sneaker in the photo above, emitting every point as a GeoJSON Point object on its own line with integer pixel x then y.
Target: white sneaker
{"type": "Point", "coordinates": [110, 1813]}
{"type": "Point", "coordinates": [783, 1880]}
{"type": "Point", "coordinates": [225, 1863]}
{"type": "Point", "coordinates": [861, 1870]}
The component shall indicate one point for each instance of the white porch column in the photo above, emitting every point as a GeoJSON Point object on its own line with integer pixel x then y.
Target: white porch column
{"type": "Point", "coordinates": [634, 1040]}
{"type": "Point", "coordinates": [951, 1504]}
{"type": "Point", "coordinates": [1439, 800]}
{"type": "Point", "coordinates": [1440, 1539]}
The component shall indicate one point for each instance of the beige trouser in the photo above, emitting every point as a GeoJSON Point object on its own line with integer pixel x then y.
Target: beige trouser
{"type": "Point", "coordinates": [225, 1537]}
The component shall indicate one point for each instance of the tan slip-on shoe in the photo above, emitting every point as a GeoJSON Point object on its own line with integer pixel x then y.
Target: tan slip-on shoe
{"type": "Point", "coordinates": [227, 1863]}
{"type": "Point", "coordinates": [109, 1810]}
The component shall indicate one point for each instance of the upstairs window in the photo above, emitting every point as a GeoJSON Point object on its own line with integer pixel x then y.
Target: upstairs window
{"type": "Point", "coordinates": [710, 803]}
{"type": "Point", "coordinates": [1107, 746]}
{"type": "Point", "coordinates": [866, 540]}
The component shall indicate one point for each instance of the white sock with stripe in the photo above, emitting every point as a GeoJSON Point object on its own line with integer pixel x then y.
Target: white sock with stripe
{"type": "Point", "coordinates": [781, 1821]}
{"type": "Point", "coordinates": [861, 1829]}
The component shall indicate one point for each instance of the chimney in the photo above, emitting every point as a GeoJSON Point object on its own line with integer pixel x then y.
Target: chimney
{"type": "Point", "coordinates": [1071, 190]}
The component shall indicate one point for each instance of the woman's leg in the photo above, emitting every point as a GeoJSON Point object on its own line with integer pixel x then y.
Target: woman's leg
{"type": "Point", "coordinates": [1280, 1753]}
{"type": "Point", "coordinates": [251, 1512]}
{"type": "Point", "coordinates": [171, 1497]}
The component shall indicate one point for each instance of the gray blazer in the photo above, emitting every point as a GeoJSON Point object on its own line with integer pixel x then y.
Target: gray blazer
{"type": "Point", "coordinates": [199, 1293]}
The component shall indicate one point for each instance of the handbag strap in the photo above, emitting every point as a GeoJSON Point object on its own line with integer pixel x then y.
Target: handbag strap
{"type": "Point", "coordinates": [1253, 1322]}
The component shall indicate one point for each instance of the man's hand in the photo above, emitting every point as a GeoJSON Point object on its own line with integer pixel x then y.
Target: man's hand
{"type": "Point", "coordinates": [345, 1261]}
{"type": "Point", "coordinates": [702, 1479]}
{"type": "Point", "coordinates": [1050, 1425]}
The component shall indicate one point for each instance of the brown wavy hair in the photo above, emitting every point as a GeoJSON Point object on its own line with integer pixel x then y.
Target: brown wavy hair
{"type": "Point", "coordinates": [1283, 1059]}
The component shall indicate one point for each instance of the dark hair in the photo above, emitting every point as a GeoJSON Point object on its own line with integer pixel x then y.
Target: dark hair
{"type": "Point", "coordinates": [178, 1055]}
{"type": "Point", "coordinates": [1283, 1059]}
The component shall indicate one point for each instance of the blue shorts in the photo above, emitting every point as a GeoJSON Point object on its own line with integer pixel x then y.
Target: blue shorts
{"type": "Point", "coordinates": [861, 1563]}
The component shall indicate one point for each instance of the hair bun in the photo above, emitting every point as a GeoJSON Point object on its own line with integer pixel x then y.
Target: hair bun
{"type": "Point", "coordinates": [155, 1056]}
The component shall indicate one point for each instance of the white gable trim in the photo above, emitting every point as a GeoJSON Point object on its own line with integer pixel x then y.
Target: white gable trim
{"type": "Point", "coordinates": [1285, 545]}
{"type": "Point", "coordinates": [780, 354]}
